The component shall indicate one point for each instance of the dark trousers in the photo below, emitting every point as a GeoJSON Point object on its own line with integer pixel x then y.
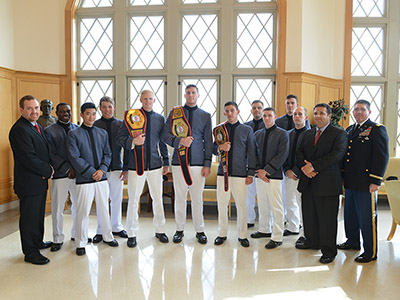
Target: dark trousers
{"type": "Point", "coordinates": [31, 223]}
{"type": "Point", "coordinates": [320, 221]}
{"type": "Point", "coordinates": [360, 214]}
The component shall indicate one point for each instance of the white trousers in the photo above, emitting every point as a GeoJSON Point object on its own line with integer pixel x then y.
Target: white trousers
{"type": "Point", "coordinates": [196, 196]}
{"type": "Point", "coordinates": [116, 187]}
{"type": "Point", "coordinates": [269, 197]}
{"type": "Point", "coordinates": [293, 205]}
{"type": "Point", "coordinates": [251, 202]}
{"type": "Point", "coordinates": [59, 194]}
{"type": "Point", "coordinates": [135, 189]}
{"type": "Point", "coordinates": [238, 188]}
{"type": "Point", "coordinates": [86, 193]}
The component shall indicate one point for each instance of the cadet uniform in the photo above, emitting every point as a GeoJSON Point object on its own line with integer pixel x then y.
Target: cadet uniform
{"type": "Point", "coordinates": [153, 163]}
{"type": "Point", "coordinates": [241, 164]}
{"type": "Point", "coordinates": [114, 171]}
{"type": "Point", "coordinates": [199, 156]}
{"type": "Point", "coordinates": [88, 151]}
{"type": "Point", "coordinates": [272, 150]}
{"type": "Point", "coordinates": [56, 135]}
{"type": "Point", "coordinates": [251, 188]}
{"type": "Point", "coordinates": [293, 197]}
{"type": "Point", "coordinates": [365, 163]}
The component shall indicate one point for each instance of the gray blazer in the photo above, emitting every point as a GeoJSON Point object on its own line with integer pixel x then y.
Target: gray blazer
{"type": "Point", "coordinates": [277, 151]}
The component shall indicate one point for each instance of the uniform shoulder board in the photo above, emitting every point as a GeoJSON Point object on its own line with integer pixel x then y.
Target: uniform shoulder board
{"type": "Point", "coordinates": [378, 125]}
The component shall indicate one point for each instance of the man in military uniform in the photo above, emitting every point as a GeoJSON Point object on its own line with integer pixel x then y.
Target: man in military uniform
{"type": "Point", "coordinates": [364, 166]}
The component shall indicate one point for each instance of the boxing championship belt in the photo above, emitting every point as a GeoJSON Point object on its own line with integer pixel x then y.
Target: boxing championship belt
{"type": "Point", "coordinates": [221, 136]}
{"type": "Point", "coordinates": [180, 127]}
{"type": "Point", "coordinates": [135, 120]}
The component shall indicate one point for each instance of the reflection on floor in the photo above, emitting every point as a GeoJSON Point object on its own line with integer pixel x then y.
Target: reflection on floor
{"type": "Point", "coordinates": [193, 271]}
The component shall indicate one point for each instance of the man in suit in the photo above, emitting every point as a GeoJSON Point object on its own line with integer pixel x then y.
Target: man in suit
{"type": "Point", "coordinates": [32, 169]}
{"type": "Point", "coordinates": [364, 166]}
{"type": "Point", "coordinates": [272, 145]}
{"type": "Point", "coordinates": [63, 181]}
{"type": "Point", "coordinates": [320, 157]}
{"type": "Point", "coordinates": [257, 123]}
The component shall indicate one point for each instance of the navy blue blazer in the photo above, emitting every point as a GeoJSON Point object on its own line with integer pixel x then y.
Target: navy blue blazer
{"type": "Point", "coordinates": [31, 159]}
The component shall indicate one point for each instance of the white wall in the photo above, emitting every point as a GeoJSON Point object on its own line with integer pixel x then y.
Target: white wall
{"type": "Point", "coordinates": [39, 36]}
{"type": "Point", "coordinates": [317, 28]}
{"type": "Point", "coordinates": [7, 34]}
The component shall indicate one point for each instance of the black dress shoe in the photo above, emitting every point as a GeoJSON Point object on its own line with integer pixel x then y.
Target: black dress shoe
{"type": "Point", "coordinates": [272, 244]}
{"type": "Point", "coordinates": [55, 247]}
{"type": "Point", "coordinates": [288, 232]}
{"type": "Point", "coordinates": [364, 259]}
{"type": "Point", "coordinates": [244, 242]}
{"type": "Point", "coordinates": [89, 240]}
{"type": "Point", "coordinates": [300, 239]}
{"type": "Point", "coordinates": [131, 242]}
{"type": "Point", "coordinates": [304, 244]}
{"type": "Point", "coordinates": [219, 240]}
{"type": "Point", "coordinates": [80, 251]}
{"type": "Point", "coordinates": [250, 225]}
{"type": "Point", "coordinates": [177, 238]}
{"type": "Point", "coordinates": [45, 245]}
{"type": "Point", "coordinates": [38, 259]}
{"type": "Point", "coordinates": [258, 235]}
{"type": "Point", "coordinates": [97, 238]}
{"type": "Point", "coordinates": [121, 233]}
{"type": "Point", "coordinates": [112, 243]}
{"type": "Point", "coordinates": [326, 259]}
{"type": "Point", "coordinates": [162, 237]}
{"type": "Point", "coordinates": [347, 246]}
{"type": "Point", "coordinates": [201, 237]}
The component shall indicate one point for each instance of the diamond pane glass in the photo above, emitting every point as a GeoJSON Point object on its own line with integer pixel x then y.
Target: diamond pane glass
{"type": "Point", "coordinates": [249, 89]}
{"type": "Point", "coordinates": [147, 42]}
{"type": "Point", "coordinates": [199, 1]}
{"type": "Point", "coordinates": [146, 2]}
{"type": "Point", "coordinates": [367, 51]}
{"type": "Point", "coordinates": [398, 126]}
{"type": "Point", "coordinates": [91, 90]}
{"type": "Point", "coordinates": [368, 8]}
{"type": "Point", "coordinates": [371, 93]}
{"type": "Point", "coordinates": [254, 41]}
{"type": "Point", "coordinates": [208, 91]}
{"type": "Point", "coordinates": [199, 41]}
{"type": "Point", "coordinates": [97, 3]}
{"type": "Point", "coordinates": [96, 44]}
{"type": "Point", "coordinates": [136, 86]}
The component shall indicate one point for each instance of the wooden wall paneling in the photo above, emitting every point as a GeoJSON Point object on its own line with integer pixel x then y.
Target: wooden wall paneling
{"type": "Point", "coordinates": [9, 110]}
{"type": "Point", "coordinates": [41, 86]}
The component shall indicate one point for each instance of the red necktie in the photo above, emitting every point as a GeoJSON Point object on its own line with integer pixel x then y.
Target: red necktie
{"type": "Point", "coordinates": [37, 127]}
{"type": "Point", "coordinates": [317, 136]}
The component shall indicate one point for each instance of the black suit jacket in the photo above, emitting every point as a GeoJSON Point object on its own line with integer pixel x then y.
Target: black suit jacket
{"type": "Point", "coordinates": [31, 159]}
{"type": "Point", "coordinates": [326, 159]}
{"type": "Point", "coordinates": [367, 156]}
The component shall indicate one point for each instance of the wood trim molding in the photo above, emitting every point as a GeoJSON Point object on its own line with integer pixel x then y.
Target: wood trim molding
{"type": "Point", "coordinates": [347, 54]}
{"type": "Point", "coordinates": [281, 60]}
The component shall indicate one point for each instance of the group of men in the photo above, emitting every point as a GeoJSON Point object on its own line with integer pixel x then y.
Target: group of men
{"type": "Point", "coordinates": [282, 161]}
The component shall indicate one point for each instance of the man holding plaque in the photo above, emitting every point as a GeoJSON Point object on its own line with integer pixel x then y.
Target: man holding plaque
{"type": "Point", "coordinates": [235, 143]}
{"type": "Point", "coordinates": [272, 150]}
{"type": "Point", "coordinates": [141, 135]}
{"type": "Point", "coordinates": [188, 131]}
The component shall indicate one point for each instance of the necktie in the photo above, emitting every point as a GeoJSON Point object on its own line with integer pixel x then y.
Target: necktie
{"type": "Point", "coordinates": [317, 136]}
{"type": "Point", "coordinates": [37, 128]}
